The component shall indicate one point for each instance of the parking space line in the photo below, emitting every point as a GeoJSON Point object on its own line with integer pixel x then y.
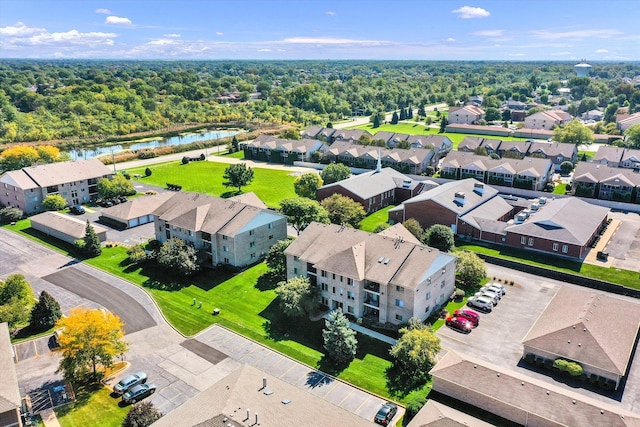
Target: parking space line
{"type": "Point", "coordinates": [35, 348]}
{"type": "Point", "coordinates": [345, 398]}
{"type": "Point", "coordinates": [363, 402]}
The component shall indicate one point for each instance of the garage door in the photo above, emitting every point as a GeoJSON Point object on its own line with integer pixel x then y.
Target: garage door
{"type": "Point", "coordinates": [144, 219]}
{"type": "Point", "coordinates": [133, 222]}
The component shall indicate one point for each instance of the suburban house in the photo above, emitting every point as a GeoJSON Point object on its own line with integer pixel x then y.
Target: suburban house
{"type": "Point", "coordinates": [10, 400]}
{"type": "Point", "coordinates": [271, 149]}
{"type": "Point", "coordinates": [374, 190]}
{"type": "Point", "coordinates": [547, 119]}
{"type": "Point", "coordinates": [228, 232]}
{"type": "Point", "coordinates": [516, 149]}
{"type": "Point", "coordinates": [134, 212]}
{"type": "Point", "coordinates": [595, 115]}
{"type": "Point", "coordinates": [441, 144]}
{"type": "Point", "coordinates": [248, 396]}
{"type": "Point", "coordinates": [609, 155]}
{"type": "Point", "coordinates": [414, 160]}
{"type": "Point", "coordinates": [64, 227]}
{"type": "Point", "coordinates": [521, 398]}
{"type": "Point", "coordinates": [351, 135]}
{"type": "Point", "coordinates": [372, 276]}
{"type": "Point", "coordinates": [625, 121]}
{"type": "Point", "coordinates": [311, 132]}
{"type": "Point", "coordinates": [76, 181]}
{"type": "Point", "coordinates": [557, 152]}
{"type": "Point", "coordinates": [386, 137]}
{"type": "Point", "coordinates": [630, 159]}
{"type": "Point", "coordinates": [603, 182]}
{"type": "Point", "coordinates": [468, 115]}
{"type": "Point", "coordinates": [436, 414]}
{"type": "Point", "coordinates": [595, 330]}
{"type": "Point", "coordinates": [529, 173]}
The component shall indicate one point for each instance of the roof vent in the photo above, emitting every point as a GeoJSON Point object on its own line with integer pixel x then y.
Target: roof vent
{"type": "Point", "coordinates": [573, 401]}
{"type": "Point", "coordinates": [547, 392]}
{"type": "Point", "coordinates": [478, 187]}
{"type": "Point", "coordinates": [381, 259]}
{"type": "Point", "coordinates": [602, 411]}
{"type": "Point", "coordinates": [386, 261]}
{"type": "Point", "coordinates": [568, 341]}
{"type": "Point", "coordinates": [459, 198]}
{"type": "Point", "coordinates": [498, 375]}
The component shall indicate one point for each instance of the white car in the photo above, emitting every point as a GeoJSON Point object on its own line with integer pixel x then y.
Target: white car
{"type": "Point", "coordinates": [491, 295]}
{"type": "Point", "coordinates": [480, 303]}
{"type": "Point", "coordinates": [499, 286]}
{"type": "Point", "coordinates": [491, 288]}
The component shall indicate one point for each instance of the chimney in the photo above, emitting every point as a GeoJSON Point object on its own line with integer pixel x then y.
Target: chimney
{"type": "Point", "coordinates": [459, 198]}
{"type": "Point", "coordinates": [478, 187]}
{"type": "Point", "coordinates": [264, 382]}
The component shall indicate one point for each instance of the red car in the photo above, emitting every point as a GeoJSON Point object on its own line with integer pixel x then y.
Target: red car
{"type": "Point", "coordinates": [470, 315]}
{"type": "Point", "coordinates": [459, 323]}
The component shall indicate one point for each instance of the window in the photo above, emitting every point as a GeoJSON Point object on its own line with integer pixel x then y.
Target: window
{"type": "Point", "coordinates": [351, 295]}
{"type": "Point", "coordinates": [349, 281]}
{"type": "Point", "coordinates": [224, 237]}
{"type": "Point", "coordinates": [323, 273]}
{"type": "Point", "coordinates": [270, 226]}
{"type": "Point", "coordinates": [530, 241]}
{"type": "Point", "coordinates": [341, 292]}
{"type": "Point", "coordinates": [295, 270]}
{"type": "Point", "coordinates": [324, 301]}
{"type": "Point", "coordinates": [555, 247]}
{"type": "Point", "coordinates": [226, 260]}
{"type": "Point", "coordinates": [399, 317]}
{"type": "Point", "coordinates": [333, 276]}
{"type": "Point", "coordinates": [350, 309]}
{"type": "Point", "coordinates": [251, 232]}
{"type": "Point", "coordinates": [442, 285]}
{"type": "Point", "coordinates": [270, 236]}
{"type": "Point", "coordinates": [341, 279]}
{"type": "Point", "coordinates": [565, 249]}
{"type": "Point", "coordinates": [334, 289]}
{"type": "Point", "coordinates": [523, 240]}
{"type": "Point", "coordinates": [324, 287]}
{"type": "Point", "coordinates": [295, 258]}
{"type": "Point", "coordinates": [225, 248]}
{"type": "Point", "coordinates": [252, 244]}
{"type": "Point", "coordinates": [253, 256]}
{"type": "Point", "coordinates": [399, 289]}
{"type": "Point", "coordinates": [399, 303]}
{"type": "Point", "coordinates": [427, 309]}
{"type": "Point", "coordinates": [428, 295]}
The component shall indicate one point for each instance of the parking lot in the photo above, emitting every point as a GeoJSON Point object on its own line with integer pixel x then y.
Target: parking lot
{"type": "Point", "coordinates": [624, 245]}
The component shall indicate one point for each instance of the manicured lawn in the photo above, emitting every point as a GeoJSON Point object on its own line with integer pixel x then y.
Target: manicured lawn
{"type": "Point", "coordinates": [91, 407]}
{"type": "Point", "coordinates": [373, 220]}
{"type": "Point", "coordinates": [270, 185]}
{"type": "Point", "coordinates": [588, 154]}
{"type": "Point", "coordinates": [236, 155]}
{"type": "Point", "coordinates": [560, 189]}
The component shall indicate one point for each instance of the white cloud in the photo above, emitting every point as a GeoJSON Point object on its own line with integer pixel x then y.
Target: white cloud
{"type": "Point", "coordinates": [450, 40]}
{"type": "Point", "coordinates": [103, 11]}
{"type": "Point", "coordinates": [173, 36]}
{"type": "Point", "coordinates": [330, 13]}
{"type": "Point", "coordinates": [469, 12]}
{"type": "Point", "coordinates": [602, 51]}
{"type": "Point", "coordinates": [331, 41]}
{"type": "Point", "coordinates": [219, 33]}
{"type": "Point", "coordinates": [577, 34]}
{"type": "Point", "coordinates": [72, 37]}
{"type": "Point", "coordinates": [564, 53]}
{"type": "Point", "coordinates": [20, 30]}
{"type": "Point", "coordinates": [264, 50]}
{"type": "Point", "coordinates": [517, 54]}
{"type": "Point", "coordinates": [117, 20]}
{"type": "Point", "coordinates": [489, 33]}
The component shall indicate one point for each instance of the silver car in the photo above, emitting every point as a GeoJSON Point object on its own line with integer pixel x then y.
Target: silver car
{"type": "Point", "coordinates": [491, 288]}
{"type": "Point", "coordinates": [493, 296]}
{"type": "Point", "coordinates": [497, 285]}
{"type": "Point", "coordinates": [481, 303]}
{"type": "Point", "coordinates": [129, 381]}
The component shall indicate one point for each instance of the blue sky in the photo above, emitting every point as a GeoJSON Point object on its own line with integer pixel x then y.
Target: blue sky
{"type": "Point", "coordinates": [299, 29]}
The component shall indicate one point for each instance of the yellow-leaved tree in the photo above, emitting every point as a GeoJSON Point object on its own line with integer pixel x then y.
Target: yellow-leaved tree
{"type": "Point", "coordinates": [18, 157]}
{"type": "Point", "coordinates": [89, 342]}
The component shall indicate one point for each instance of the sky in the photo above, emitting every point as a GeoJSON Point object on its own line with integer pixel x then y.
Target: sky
{"type": "Point", "coordinates": [517, 30]}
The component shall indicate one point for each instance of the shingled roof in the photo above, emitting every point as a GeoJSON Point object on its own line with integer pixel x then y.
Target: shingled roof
{"type": "Point", "coordinates": [435, 414]}
{"type": "Point", "coordinates": [9, 392]}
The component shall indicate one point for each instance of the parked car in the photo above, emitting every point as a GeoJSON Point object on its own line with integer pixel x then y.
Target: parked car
{"type": "Point", "coordinates": [481, 303]}
{"type": "Point", "coordinates": [470, 315]}
{"type": "Point", "coordinates": [498, 286]}
{"type": "Point", "coordinates": [138, 392]}
{"type": "Point", "coordinates": [129, 381]}
{"type": "Point", "coordinates": [490, 295]}
{"type": "Point", "coordinates": [494, 289]}
{"type": "Point", "coordinates": [459, 323]}
{"type": "Point", "coordinates": [386, 413]}
{"type": "Point", "coordinates": [77, 210]}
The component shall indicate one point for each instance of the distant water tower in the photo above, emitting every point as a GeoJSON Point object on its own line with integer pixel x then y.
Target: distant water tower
{"type": "Point", "coordinates": [582, 69]}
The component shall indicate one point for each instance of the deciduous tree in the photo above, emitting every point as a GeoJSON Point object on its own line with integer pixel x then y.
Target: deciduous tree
{"type": "Point", "coordinates": [307, 184]}
{"type": "Point", "coordinates": [340, 340]}
{"type": "Point", "coordinates": [90, 340]}
{"type": "Point", "coordinates": [343, 210]}
{"type": "Point", "coordinates": [633, 136]}
{"type": "Point", "coordinates": [238, 176]}
{"type": "Point", "coordinates": [470, 269]}
{"type": "Point", "coordinates": [301, 212]}
{"type": "Point", "coordinates": [414, 227]}
{"type": "Point", "coordinates": [45, 313]}
{"type": "Point", "coordinates": [10, 214]}
{"type": "Point", "coordinates": [16, 300]}
{"type": "Point", "coordinates": [415, 352]}
{"type": "Point", "coordinates": [141, 415]}
{"type": "Point", "coordinates": [440, 237]}
{"type": "Point", "coordinates": [176, 256]}
{"type": "Point", "coordinates": [18, 157]}
{"type": "Point", "coordinates": [297, 297]}
{"type": "Point", "coordinates": [277, 260]}
{"type": "Point", "coordinates": [54, 202]}
{"type": "Point", "coordinates": [335, 172]}
{"type": "Point", "coordinates": [48, 153]}
{"type": "Point", "coordinates": [573, 133]}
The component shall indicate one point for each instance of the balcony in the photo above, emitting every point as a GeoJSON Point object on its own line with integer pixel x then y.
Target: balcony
{"type": "Point", "coordinates": [311, 269]}
{"type": "Point", "coordinates": [206, 236]}
{"type": "Point", "coordinates": [372, 287]}
{"type": "Point", "coordinates": [371, 302]}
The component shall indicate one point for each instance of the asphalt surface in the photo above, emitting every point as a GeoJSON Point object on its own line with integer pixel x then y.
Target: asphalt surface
{"type": "Point", "coordinates": [134, 316]}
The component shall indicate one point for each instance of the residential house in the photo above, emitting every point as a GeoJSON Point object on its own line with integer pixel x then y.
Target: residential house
{"type": "Point", "coordinates": [521, 398]}
{"type": "Point", "coordinates": [470, 143]}
{"type": "Point", "coordinates": [311, 132]}
{"type": "Point", "coordinates": [595, 115]}
{"type": "Point", "coordinates": [630, 159]}
{"type": "Point", "coordinates": [468, 115]}
{"type": "Point", "coordinates": [609, 155]}
{"type": "Point", "coordinates": [226, 231]}
{"type": "Point", "coordinates": [374, 190]}
{"type": "Point", "coordinates": [547, 119]}
{"type": "Point", "coordinates": [441, 144]}
{"type": "Point", "coordinates": [414, 160]}
{"type": "Point", "coordinates": [478, 129]}
{"type": "Point", "coordinates": [625, 121]}
{"type": "Point", "coordinates": [597, 331]}
{"type": "Point", "coordinates": [350, 135]}
{"type": "Point", "coordinates": [326, 135]}
{"type": "Point", "coordinates": [603, 182]}
{"type": "Point", "coordinates": [476, 100]}
{"type": "Point", "coordinates": [529, 173]}
{"type": "Point", "coordinates": [436, 414]}
{"type": "Point", "coordinates": [76, 181]}
{"type": "Point", "coordinates": [516, 149]}
{"type": "Point", "coordinates": [134, 212]}
{"type": "Point", "coordinates": [384, 136]}
{"type": "Point", "coordinates": [10, 400]}
{"type": "Point", "coordinates": [557, 152]}
{"type": "Point", "coordinates": [371, 276]}
{"type": "Point", "coordinates": [271, 149]}
{"type": "Point", "coordinates": [515, 105]}
{"type": "Point", "coordinates": [397, 137]}
{"type": "Point", "coordinates": [248, 396]}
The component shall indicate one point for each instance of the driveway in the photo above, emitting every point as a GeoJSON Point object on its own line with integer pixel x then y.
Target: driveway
{"type": "Point", "coordinates": [624, 245]}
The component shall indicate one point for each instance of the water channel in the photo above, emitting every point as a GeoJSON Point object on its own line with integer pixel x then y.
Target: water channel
{"type": "Point", "coordinates": [186, 138]}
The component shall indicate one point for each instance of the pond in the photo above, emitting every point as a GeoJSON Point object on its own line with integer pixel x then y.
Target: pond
{"type": "Point", "coordinates": [186, 138]}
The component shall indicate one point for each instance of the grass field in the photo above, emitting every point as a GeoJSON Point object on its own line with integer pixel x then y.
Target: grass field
{"type": "Point", "coordinates": [370, 222]}
{"type": "Point", "coordinates": [92, 405]}
{"type": "Point", "coordinates": [270, 185]}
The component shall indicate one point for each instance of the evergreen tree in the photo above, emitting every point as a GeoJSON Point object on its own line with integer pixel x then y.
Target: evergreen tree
{"type": "Point", "coordinates": [234, 144]}
{"type": "Point", "coordinates": [339, 339]}
{"type": "Point", "coordinates": [92, 246]}
{"type": "Point", "coordinates": [443, 124]}
{"type": "Point", "coordinates": [403, 114]}
{"type": "Point", "coordinates": [376, 120]}
{"type": "Point", "coordinates": [45, 313]}
{"type": "Point", "coordinates": [409, 112]}
{"type": "Point", "coordinates": [394, 118]}
{"type": "Point", "coordinates": [421, 111]}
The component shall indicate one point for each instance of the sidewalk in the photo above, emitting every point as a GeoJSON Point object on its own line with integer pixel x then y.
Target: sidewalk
{"type": "Point", "coordinates": [49, 418]}
{"type": "Point", "coordinates": [368, 332]}
{"type": "Point", "coordinates": [591, 257]}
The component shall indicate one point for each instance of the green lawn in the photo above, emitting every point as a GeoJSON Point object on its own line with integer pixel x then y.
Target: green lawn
{"type": "Point", "coordinates": [270, 185]}
{"type": "Point", "coordinates": [370, 222]}
{"type": "Point", "coordinates": [588, 154]}
{"type": "Point", "coordinates": [560, 189]}
{"type": "Point", "coordinates": [92, 405]}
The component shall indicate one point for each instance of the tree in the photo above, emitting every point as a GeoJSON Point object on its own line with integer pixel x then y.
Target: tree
{"type": "Point", "coordinates": [440, 237]}
{"type": "Point", "coordinates": [238, 176]}
{"type": "Point", "coordinates": [343, 210]}
{"type": "Point", "coordinates": [335, 172]}
{"type": "Point", "coordinates": [574, 133]}
{"type": "Point", "coordinates": [90, 244]}
{"type": "Point", "coordinates": [480, 151]}
{"type": "Point", "coordinates": [339, 339]}
{"type": "Point", "coordinates": [277, 260]}
{"type": "Point", "coordinates": [376, 121]}
{"type": "Point", "coordinates": [443, 125]}
{"type": "Point", "coordinates": [10, 214]}
{"type": "Point", "coordinates": [54, 202]}
{"type": "Point", "coordinates": [394, 118]}
{"type": "Point", "coordinates": [301, 212]}
{"type": "Point", "coordinates": [307, 184]}
{"type": "Point", "coordinates": [403, 145]}
{"type": "Point", "coordinates": [492, 114]}
{"type": "Point", "coordinates": [415, 352]}
{"type": "Point", "coordinates": [633, 136]}
{"type": "Point", "coordinates": [45, 313]}
{"type": "Point", "coordinates": [137, 254]}
{"type": "Point", "coordinates": [297, 297]}
{"type": "Point", "coordinates": [176, 256]}
{"type": "Point", "coordinates": [90, 339]}
{"type": "Point", "coordinates": [414, 227]}
{"type": "Point", "coordinates": [147, 172]}
{"type": "Point", "coordinates": [235, 145]}
{"type": "Point", "coordinates": [141, 415]}
{"type": "Point", "coordinates": [291, 133]}
{"type": "Point", "coordinates": [566, 167]}
{"type": "Point", "coordinates": [115, 187]}
{"type": "Point", "coordinates": [381, 227]}
{"type": "Point", "coordinates": [48, 153]}
{"type": "Point", "coordinates": [16, 299]}
{"type": "Point", "coordinates": [470, 269]}
{"type": "Point", "coordinates": [18, 157]}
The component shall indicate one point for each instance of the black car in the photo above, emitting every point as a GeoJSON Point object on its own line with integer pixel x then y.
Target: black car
{"type": "Point", "coordinates": [138, 392]}
{"type": "Point", "coordinates": [77, 210]}
{"type": "Point", "coordinates": [386, 413]}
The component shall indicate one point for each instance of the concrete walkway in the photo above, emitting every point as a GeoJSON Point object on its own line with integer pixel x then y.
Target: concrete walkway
{"type": "Point", "coordinates": [591, 257]}
{"type": "Point", "coordinates": [368, 332]}
{"type": "Point", "coordinates": [49, 418]}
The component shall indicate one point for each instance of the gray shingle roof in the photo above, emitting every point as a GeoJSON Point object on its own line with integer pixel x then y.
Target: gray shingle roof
{"type": "Point", "coordinates": [372, 183]}
{"type": "Point", "coordinates": [64, 172]}
{"type": "Point", "coordinates": [65, 224]}
{"type": "Point", "coordinates": [9, 392]}
{"type": "Point", "coordinates": [435, 414]}
{"type": "Point", "coordinates": [595, 172]}
{"type": "Point", "coordinates": [136, 207]}
{"type": "Point", "coordinates": [588, 327]}
{"type": "Point", "coordinates": [444, 195]}
{"type": "Point", "coordinates": [527, 166]}
{"type": "Point", "coordinates": [553, 149]}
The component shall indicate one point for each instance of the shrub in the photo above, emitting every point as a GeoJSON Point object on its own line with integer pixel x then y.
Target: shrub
{"type": "Point", "coordinates": [529, 358]}
{"type": "Point", "coordinates": [185, 160]}
{"type": "Point", "coordinates": [572, 368]}
{"type": "Point", "coordinates": [147, 172]}
{"type": "Point", "coordinates": [10, 214]}
{"type": "Point", "coordinates": [458, 294]}
{"type": "Point", "coordinates": [568, 187]}
{"type": "Point", "coordinates": [126, 175]}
